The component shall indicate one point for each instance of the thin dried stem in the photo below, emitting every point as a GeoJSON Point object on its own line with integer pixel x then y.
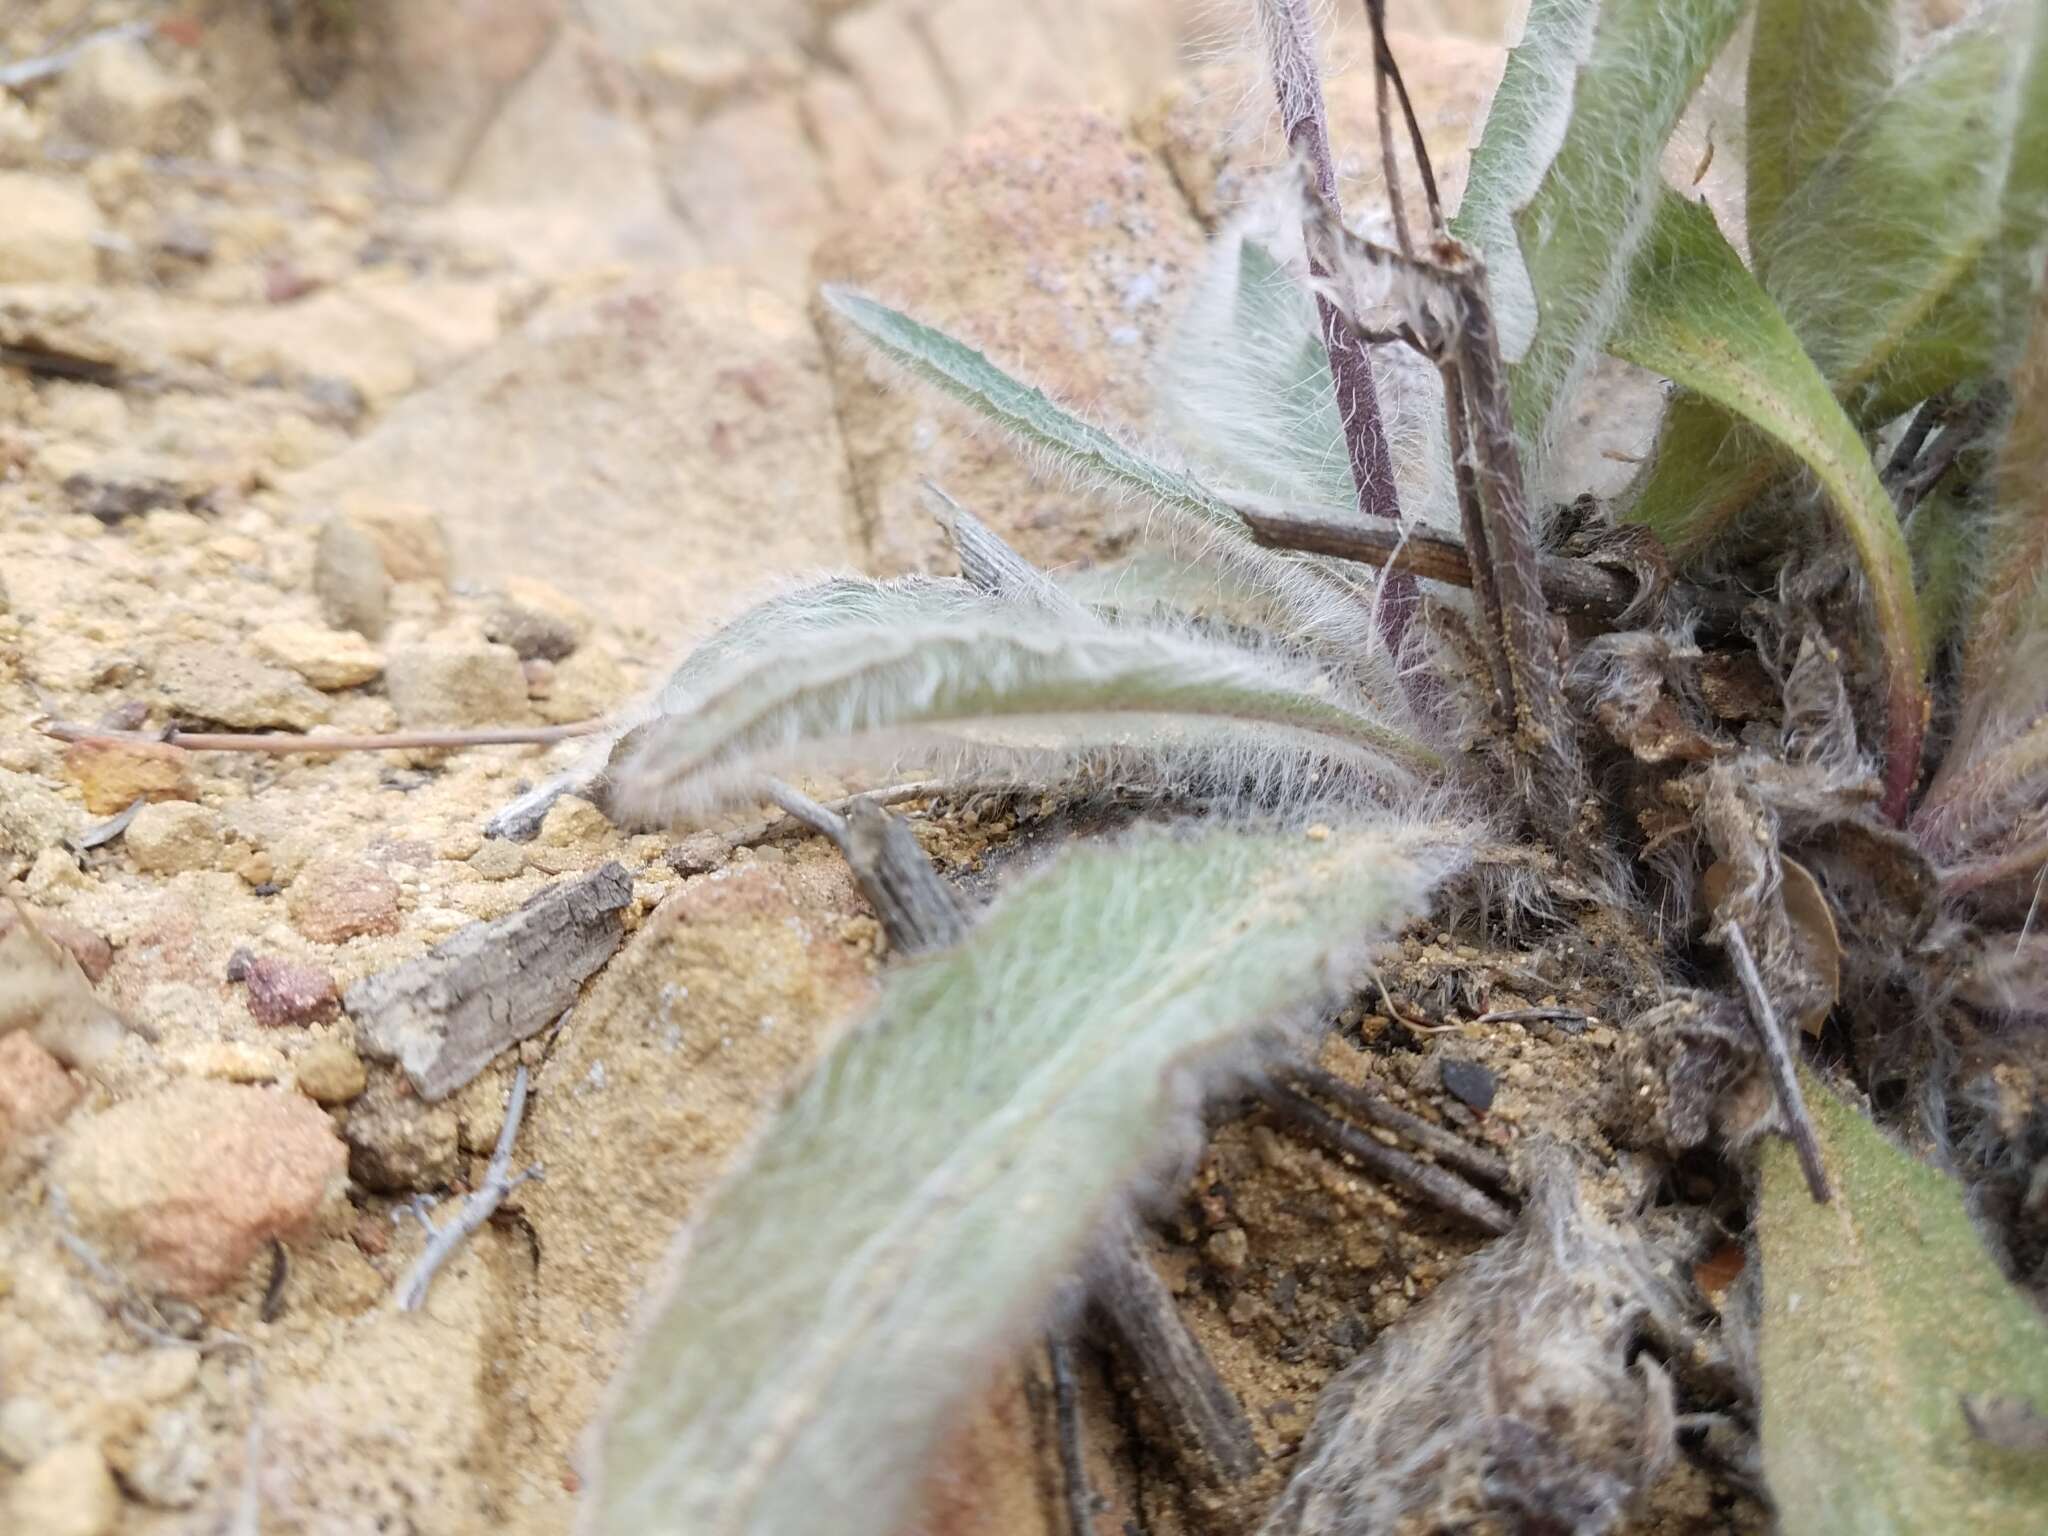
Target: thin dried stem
{"type": "Point", "coordinates": [289, 741]}
{"type": "Point", "coordinates": [1075, 1493]}
{"type": "Point", "coordinates": [499, 1181]}
{"type": "Point", "coordinates": [1438, 1186]}
{"type": "Point", "coordinates": [1784, 1074]}
{"type": "Point", "coordinates": [1386, 71]}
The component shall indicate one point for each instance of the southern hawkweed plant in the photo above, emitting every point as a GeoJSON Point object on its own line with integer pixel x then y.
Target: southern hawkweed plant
{"type": "Point", "coordinates": [1351, 665]}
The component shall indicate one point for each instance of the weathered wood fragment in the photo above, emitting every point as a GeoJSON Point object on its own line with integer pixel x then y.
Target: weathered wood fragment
{"type": "Point", "coordinates": [443, 1016]}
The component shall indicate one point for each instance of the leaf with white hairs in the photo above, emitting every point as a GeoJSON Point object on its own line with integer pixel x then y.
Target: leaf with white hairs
{"type": "Point", "coordinates": [1815, 67]}
{"type": "Point", "coordinates": [1080, 448]}
{"type": "Point", "coordinates": [1580, 228]}
{"type": "Point", "coordinates": [1525, 125]}
{"type": "Point", "coordinates": [909, 1215]}
{"type": "Point", "coordinates": [978, 680]}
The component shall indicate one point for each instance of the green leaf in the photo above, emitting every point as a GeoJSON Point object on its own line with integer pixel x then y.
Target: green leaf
{"type": "Point", "coordinates": [1525, 124]}
{"type": "Point", "coordinates": [1940, 192]}
{"type": "Point", "coordinates": [1696, 316]}
{"type": "Point", "coordinates": [1942, 539]}
{"type": "Point", "coordinates": [1815, 67]}
{"type": "Point", "coordinates": [907, 1217]}
{"type": "Point", "coordinates": [971, 681]}
{"type": "Point", "coordinates": [1078, 447]}
{"type": "Point", "coordinates": [1874, 257]}
{"type": "Point", "coordinates": [1580, 230]}
{"type": "Point", "coordinates": [1881, 1311]}
{"type": "Point", "coordinates": [1994, 772]}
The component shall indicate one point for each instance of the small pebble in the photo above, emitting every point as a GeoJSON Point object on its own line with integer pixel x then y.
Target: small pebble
{"type": "Point", "coordinates": [1467, 1082]}
{"type": "Point", "coordinates": [498, 859]}
{"type": "Point", "coordinates": [287, 992]}
{"type": "Point", "coordinates": [113, 775]}
{"type": "Point", "coordinates": [67, 1492]}
{"type": "Point", "coordinates": [334, 900]}
{"type": "Point", "coordinates": [330, 1072]}
{"type": "Point", "coordinates": [174, 836]}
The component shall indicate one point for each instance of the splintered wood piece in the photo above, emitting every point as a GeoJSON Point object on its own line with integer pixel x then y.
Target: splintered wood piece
{"type": "Point", "coordinates": [1172, 1368]}
{"type": "Point", "coordinates": [445, 1015]}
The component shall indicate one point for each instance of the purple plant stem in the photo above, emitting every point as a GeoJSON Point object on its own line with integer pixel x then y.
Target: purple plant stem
{"type": "Point", "coordinates": [1298, 85]}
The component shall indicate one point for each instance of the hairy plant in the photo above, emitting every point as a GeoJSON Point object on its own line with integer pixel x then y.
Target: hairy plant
{"type": "Point", "coordinates": [1845, 502]}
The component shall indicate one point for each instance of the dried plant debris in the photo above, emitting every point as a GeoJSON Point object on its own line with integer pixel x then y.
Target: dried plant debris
{"type": "Point", "coordinates": [1521, 1391]}
{"type": "Point", "coordinates": [1884, 1319]}
{"type": "Point", "coordinates": [446, 1014]}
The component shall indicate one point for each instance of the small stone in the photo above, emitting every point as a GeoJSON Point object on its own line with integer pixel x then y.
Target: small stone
{"type": "Point", "coordinates": [285, 992]}
{"type": "Point", "coordinates": [349, 579]}
{"type": "Point", "coordinates": [49, 233]}
{"type": "Point", "coordinates": [116, 96]}
{"type": "Point", "coordinates": [535, 632]}
{"type": "Point", "coordinates": [399, 1142]}
{"type": "Point", "coordinates": [330, 1072]}
{"type": "Point", "coordinates": [165, 1373]}
{"type": "Point", "coordinates": [456, 684]}
{"type": "Point", "coordinates": [32, 816]}
{"type": "Point", "coordinates": [329, 659]}
{"type": "Point", "coordinates": [166, 1462]}
{"type": "Point", "coordinates": [1467, 1082]}
{"type": "Point", "coordinates": [1229, 1248]}
{"type": "Point", "coordinates": [257, 868]}
{"type": "Point", "coordinates": [411, 542]}
{"type": "Point", "coordinates": [68, 1492]}
{"type": "Point", "coordinates": [334, 900]}
{"type": "Point", "coordinates": [188, 1184]}
{"type": "Point", "coordinates": [234, 1061]}
{"type": "Point", "coordinates": [113, 775]}
{"type": "Point", "coordinates": [36, 1093]}
{"type": "Point", "coordinates": [498, 859]}
{"type": "Point", "coordinates": [55, 877]}
{"type": "Point", "coordinates": [28, 1428]}
{"type": "Point", "coordinates": [698, 854]}
{"type": "Point", "coordinates": [573, 822]}
{"type": "Point", "coordinates": [585, 686]}
{"type": "Point", "coordinates": [211, 682]}
{"type": "Point", "coordinates": [174, 836]}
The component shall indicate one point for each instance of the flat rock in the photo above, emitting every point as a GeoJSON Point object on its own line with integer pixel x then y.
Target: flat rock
{"type": "Point", "coordinates": [456, 683]}
{"type": "Point", "coordinates": [333, 900]}
{"type": "Point", "coordinates": [187, 1184]}
{"type": "Point", "coordinates": [48, 234]}
{"type": "Point", "coordinates": [214, 684]}
{"type": "Point", "coordinates": [658, 447]}
{"type": "Point", "coordinates": [113, 775]}
{"type": "Point", "coordinates": [329, 659]}
{"type": "Point", "coordinates": [1059, 245]}
{"type": "Point", "coordinates": [658, 1080]}
{"type": "Point", "coordinates": [173, 836]}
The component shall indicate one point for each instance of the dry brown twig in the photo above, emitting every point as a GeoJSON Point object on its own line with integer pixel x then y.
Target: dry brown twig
{"type": "Point", "coordinates": [499, 1181]}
